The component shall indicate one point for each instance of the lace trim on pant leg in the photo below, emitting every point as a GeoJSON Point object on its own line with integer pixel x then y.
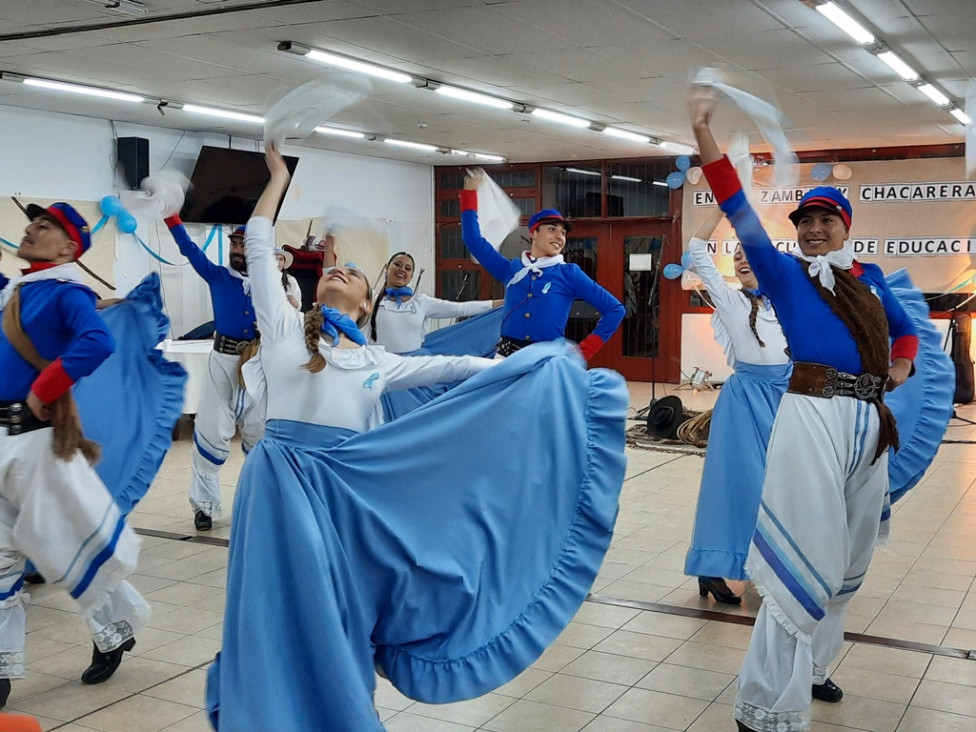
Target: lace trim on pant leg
{"type": "Point", "coordinates": [763, 720]}
{"type": "Point", "coordinates": [113, 635]}
{"type": "Point", "coordinates": [11, 664]}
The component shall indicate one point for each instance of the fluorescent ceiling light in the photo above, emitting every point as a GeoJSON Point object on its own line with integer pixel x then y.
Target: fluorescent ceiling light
{"type": "Point", "coordinates": [583, 171]}
{"type": "Point", "coordinates": [491, 158]}
{"type": "Point", "coordinates": [407, 143]}
{"type": "Point", "coordinates": [331, 59]}
{"type": "Point", "coordinates": [960, 115]}
{"type": "Point", "coordinates": [474, 97]}
{"type": "Point", "coordinates": [846, 23]}
{"type": "Point", "coordinates": [900, 67]}
{"type": "Point", "coordinates": [660, 183]}
{"type": "Point", "coordinates": [222, 113]}
{"type": "Point", "coordinates": [87, 90]}
{"type": "Point", "coordinates": [627, 135]}
{"type": "Point", "coordinates": [934, 94]}
{"type": "Point", "coordinates": [339, 133]}
{"type": "Point", "coordinates": [564, 119]}
{"type": "Point", "coordinates": [627, 178]}
{"type": "Point", "coordinates": [678, 148]}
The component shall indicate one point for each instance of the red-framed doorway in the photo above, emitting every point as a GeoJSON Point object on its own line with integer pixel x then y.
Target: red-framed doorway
{"type": "Point", "coordinates": [647, 347]}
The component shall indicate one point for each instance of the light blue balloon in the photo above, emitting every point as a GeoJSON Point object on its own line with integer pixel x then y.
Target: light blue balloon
{"type": "Point", "coordinates": [673, 271]}
{"type": "Point", "coordinates": [126, 222]}
{"type": "Point", "coordinates": [686, 260]}
{"type": "Point", "coordinates": [676, 179]}
{"type": "Point", "coordinates": [683, 162]}
{"type": "Point", "coordinates": [111, 205]}
{"type": "Point", "coordinates": [821, 171]}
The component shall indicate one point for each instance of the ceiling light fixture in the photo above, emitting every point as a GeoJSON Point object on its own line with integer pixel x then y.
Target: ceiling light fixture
{"type": "Point", "coordinates": [91, 91]}
{"type": "Point", "coordinates": [905, 71]}
{"type": "Point", "coordinates": [960, 115]}
{"type": "Point", "coordinates": [677, 148]}
{"type": "Point", "coordinates": [563, 119]}
{"type": "Point", "coordinates": [489, 157]}
{"type": "Point", "coordinates": [413, 145]}
{"type": "Point", "coordinates": [628, 135]}
{"type": "Point", "coordinates": [846, 23]}
{"type": "Point", "coordinates": [934, 94]}
{"type": "Point", "coordinates": [223, 113]}
{"type": "Point", "coordinates": [628, 178]}
{"type": "Point", "coordinates": [474, 97]}
{"type": "Point", "coordinates": [339, 133]}
{"type": "Point", "coordinates": [345, 62]}
{"type": "Point", "coordinates": [660, 183]}
{"type": "Point", "coordinates": [583, 171]}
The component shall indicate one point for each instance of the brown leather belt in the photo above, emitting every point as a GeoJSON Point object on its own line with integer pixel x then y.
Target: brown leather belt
{"type": "Point", "coordinates": [817, 379]}
{"type": "Point", "coordinates": [18, 418]}
{"type": "Point", "coordinates": [229, 346]}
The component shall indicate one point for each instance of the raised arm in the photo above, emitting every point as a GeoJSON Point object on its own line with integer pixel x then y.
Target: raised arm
{"type": "Point", "coordinates": [276, 317]}
{"type": "Point", "coordinates": [497, 266]}
{"type": "Point", "coordinates": [722, 295]}
{"type": "Point", "coordinates": [188, 248]}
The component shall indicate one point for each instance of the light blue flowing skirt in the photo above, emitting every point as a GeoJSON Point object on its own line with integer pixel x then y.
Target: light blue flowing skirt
{"type": "Point", "coordinates": [449, 547]}
{"type": "Point", "coordinates": [132, 401]}
{"type": "Point", "coordinates": [735, 463]}
{"type": "Point", "coordinates": [475, 336]}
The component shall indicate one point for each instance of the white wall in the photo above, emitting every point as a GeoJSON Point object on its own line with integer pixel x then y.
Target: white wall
{"type": "Point", "coordinates": [46, 157]}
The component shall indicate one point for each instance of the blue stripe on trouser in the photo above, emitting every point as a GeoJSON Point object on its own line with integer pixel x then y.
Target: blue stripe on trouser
{"type": "Point", "coordinates": [99, 560]}
{"type": "Point", "coordinates": [786, 577]}
{"type": "Point", "coordinates": [15, 588]}
{"type": "Point", "coordinates": [206, 453]}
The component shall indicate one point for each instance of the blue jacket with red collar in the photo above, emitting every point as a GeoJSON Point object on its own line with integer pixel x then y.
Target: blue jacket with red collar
{"type": "Point", "coordinates": [537, 307]}
{"type": "Point", "coordinates": [813, 331]}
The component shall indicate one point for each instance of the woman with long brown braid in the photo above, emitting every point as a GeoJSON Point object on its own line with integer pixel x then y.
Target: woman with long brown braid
{"type": "Point", "coordinates": [745, 325]}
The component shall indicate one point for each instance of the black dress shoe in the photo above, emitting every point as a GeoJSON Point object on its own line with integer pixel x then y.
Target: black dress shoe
{"type": "Point", "coordinates": [4, 692]}
{"type": "Point", "coordinates": [103, 665]}
{"type": "Point", "coordinates": [720, 591]}
{"type": "Point", "coordinates": [828, 691]}
{"type": "Point", "coordinates": [34, 578]}
{"type": "Point", "coordinates": [202, 521]}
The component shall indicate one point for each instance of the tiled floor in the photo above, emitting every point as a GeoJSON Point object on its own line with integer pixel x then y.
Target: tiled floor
{"type": "Point", "coordinates": [618, 667]}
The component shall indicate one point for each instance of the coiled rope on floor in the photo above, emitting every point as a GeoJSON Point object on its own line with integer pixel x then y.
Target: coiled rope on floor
{"type": "Point", "coordinates": [695, 430]}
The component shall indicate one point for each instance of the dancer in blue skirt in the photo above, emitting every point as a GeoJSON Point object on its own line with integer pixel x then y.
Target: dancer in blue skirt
{"type": "Point", "coordinates": [735, 460]}
{"type": "Point", "coordinates": [435, 547]}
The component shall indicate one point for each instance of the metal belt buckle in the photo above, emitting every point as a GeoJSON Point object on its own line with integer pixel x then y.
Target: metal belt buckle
{"type": "Point", "coordinates": [830, 382]}
{"type": "Point", "coordinates": [866, 386]}
{"type": "Point", "coordinates": [239, 348]}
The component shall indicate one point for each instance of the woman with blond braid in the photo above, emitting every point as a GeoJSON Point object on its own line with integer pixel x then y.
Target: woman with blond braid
{"type": "Point", "coordinates": [746, 326]}
{"type": "Point", "coordinates": [416, 547]}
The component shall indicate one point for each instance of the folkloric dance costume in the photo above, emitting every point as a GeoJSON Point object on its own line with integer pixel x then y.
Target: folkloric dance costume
{"type": "Point", "coordinates": [416, 547]}
{"type": "Point", "coordinates": [400, 323]}
{"type": "Point", "coordinates": [824, 501]}
{"type": "Point", "coordinates": [54, 509]}
{"type": "Point", "coordinates": [539, 293]}
{"type": "Point", "coordinates": [225, 404]}
{"type": "Point", "coordinates": [735, 459]}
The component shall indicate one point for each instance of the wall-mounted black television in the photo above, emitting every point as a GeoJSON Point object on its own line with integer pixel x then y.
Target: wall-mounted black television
{"type": "Point", "coordinates": [226, 184]}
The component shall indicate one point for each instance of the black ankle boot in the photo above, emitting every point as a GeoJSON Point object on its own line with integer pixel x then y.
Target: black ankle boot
{"type": "Point", "coordinates": [4, 692]}
{"type": "Point", "coordinates": [103, 665]}
{"type": "Point", "coordinates": [202, 521]}
{"type": "Point", "coordinates": [720, 591]}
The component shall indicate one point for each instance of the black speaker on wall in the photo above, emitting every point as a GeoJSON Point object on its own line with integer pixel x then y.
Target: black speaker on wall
{"type": "Point", "coordinates": [133, 154]}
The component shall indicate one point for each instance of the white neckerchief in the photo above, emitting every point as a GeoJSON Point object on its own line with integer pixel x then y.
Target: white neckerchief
{"type": "Point", "coordinates": [535, 266]}
{"type": "Point", "coordinates": [245, 281]}
{"type": "Point", "coordinates": [68, 272]}
{"type": "Point", "coordinates": [820, 265]}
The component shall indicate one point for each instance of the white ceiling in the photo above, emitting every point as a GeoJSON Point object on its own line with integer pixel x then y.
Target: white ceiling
{"type": "Point", "coordinates": [619, 62]}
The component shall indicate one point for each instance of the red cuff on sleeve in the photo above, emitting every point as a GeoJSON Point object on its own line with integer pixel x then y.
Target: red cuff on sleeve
{"type": "Point", "coordinates": [172, 221]}
{"type": "Point", "coordinates": [52, 382]}
{"type": "Point", "coordinates": [590, 345]}
{"type": "Point", "coordinates": [722, 178]}
{"type": "Point", "coordinates": [905, 347]}
{"type": "Point", "coordinates": [469, 200]}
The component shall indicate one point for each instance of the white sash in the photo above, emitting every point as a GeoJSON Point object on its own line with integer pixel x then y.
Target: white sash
{"type": "Point", "coordinates": [535, 266]}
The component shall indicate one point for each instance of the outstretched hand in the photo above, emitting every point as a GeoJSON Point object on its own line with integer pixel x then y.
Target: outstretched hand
{"type": "Point", "coordinates": [276, 163]}
{"type": "Point", "coordinates": [473, 180]}
{"type": "Point", "coordinates": [701, 104]}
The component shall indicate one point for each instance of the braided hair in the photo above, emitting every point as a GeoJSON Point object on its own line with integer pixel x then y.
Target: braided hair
{"type": "Point", "coordinates": [382, 293]}
{"type": "Point", "coordinates": [753, 313]}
